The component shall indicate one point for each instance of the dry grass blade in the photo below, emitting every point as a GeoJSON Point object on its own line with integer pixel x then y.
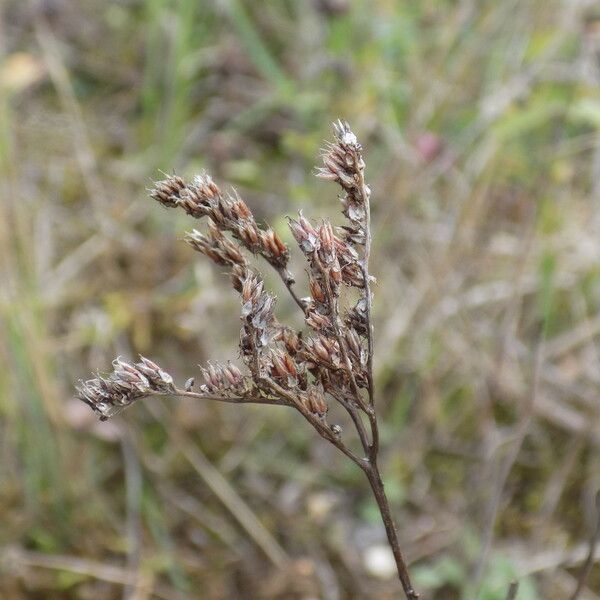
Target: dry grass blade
{"type": "Point", "coordinates": [223, 490]}
{"type": "Point", "coordinates": [589, 561]}
{"type": "Point", "coordinates": [90, 568]}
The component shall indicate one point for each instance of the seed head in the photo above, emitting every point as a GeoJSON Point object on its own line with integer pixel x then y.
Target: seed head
{"type": "Point", "coordinates": [168, 191]}
{"type": "Point", "coordinates": [126, 384]}
{"type": "Point", "coordinates": [220, 378]}
{"type": "Point", "coordinates": [315, 401]}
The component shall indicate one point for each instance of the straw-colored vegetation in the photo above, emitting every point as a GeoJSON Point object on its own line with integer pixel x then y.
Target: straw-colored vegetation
{"type": "Point", "coordinates": [480, 122]}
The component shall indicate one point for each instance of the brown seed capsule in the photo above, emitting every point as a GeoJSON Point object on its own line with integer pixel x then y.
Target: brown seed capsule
{"type": "Point", "coordinates": [281, 247]}
{"type": "Point", "coordinates": [128, 382]}
{"type": "Point", "coordinates": [326, 237]}
{"type": "Point", "coordinates": [335, 273]}
{"type": "Point", "coordinates": [290, 365]}
{"type": "Point", "coordinates": [321, 351]}
{"type": "Point", "coordinates": [290, 339]}
{"type": "Point", "coordinates": [205, 187]}
{"type": "Point", "coordinates": [249, 233]}
{"type": "Point", "coordinates": [316, 401]}
{"type": "Point", "coordinates": [353, 342]}
{"type": "Point", "coordinates": [233, 374]}
{"type": "Point", "coordinates": [316, 290]}
{"type": "Point", "coordinates": [168, 191]}
{"type": "Point", "coordinates": [305, 234]}
{"type": "Point", "coordinates": [252, 288]}
{"type": "Point", "coordinates": [316, 320]}
{"type": "Point", "coordinates": [277, 365]}
{"type": "Point", "coordinates": [240, 210]}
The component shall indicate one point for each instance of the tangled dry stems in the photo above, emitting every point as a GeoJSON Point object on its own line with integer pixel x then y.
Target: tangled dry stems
{"type": "Point", "coordinates": [333, 363]}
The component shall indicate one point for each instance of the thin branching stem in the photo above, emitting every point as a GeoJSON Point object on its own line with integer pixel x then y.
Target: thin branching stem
{"type": "Point", "coordinates": [322, 428]}
{"type": "Point", "coordinates": [366, 196]}
{"type": "Point", "coordinates": [227, 399]}
{"type": "Point", "coordinates": [356, 419]}
{"type": "Point", "coordinates": [288, 281]}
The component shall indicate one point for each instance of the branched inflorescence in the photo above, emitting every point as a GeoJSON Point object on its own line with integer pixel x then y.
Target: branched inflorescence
{"type": "Point", "coordinates": [331, 363]}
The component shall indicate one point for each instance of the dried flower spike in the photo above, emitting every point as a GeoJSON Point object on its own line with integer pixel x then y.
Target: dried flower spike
{"type": "Point", "coordinates": [334, 365]}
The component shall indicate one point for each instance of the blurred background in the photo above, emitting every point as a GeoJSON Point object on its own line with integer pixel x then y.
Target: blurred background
{"type": "Point", "coordinates": [481, 126]}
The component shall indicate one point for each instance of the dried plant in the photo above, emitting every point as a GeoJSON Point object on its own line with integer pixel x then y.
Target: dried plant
{"type": "Point", "coordinates": [331, 364]}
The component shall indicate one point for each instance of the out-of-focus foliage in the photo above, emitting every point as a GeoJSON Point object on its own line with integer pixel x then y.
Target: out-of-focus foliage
{"type": "Point", "coordinates": [481, 127]}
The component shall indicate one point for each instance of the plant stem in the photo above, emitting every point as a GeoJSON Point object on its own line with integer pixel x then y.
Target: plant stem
{"type": "Point", "coordinates": [374, 477]}
{"type": "Point", "coordinates": [366, 196]}
{"type": "Point", "coordinates": [288, 281]}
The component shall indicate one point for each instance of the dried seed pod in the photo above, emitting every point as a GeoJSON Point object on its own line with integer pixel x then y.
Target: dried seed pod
{"type": "Point", "coordinates": [240, 210]}
{"type": "Point", "coordinates": [316, 320]}
{"type": "Point", "coordinates": [257, 314]}
{"type": "Point", "coordinates": [305, 234]}
{"type": "Point", "coordinates": [342, 160]}
{"type": "Point", "coordinates": [335, 275]}
{"type": "Point", "coordinates": [352, 275]}
{"type": "Point", "coordinates": [353, 234]}
{"type": "Point", "coordinates": [282, 367]}
{"type": "Point", "coordinates": [222, 379]}
{"type": "Point", "coordinates": [271, 243]}
{"type": "Point", "coordinates": [323, 350]}
{"type": "Point", "coordinates": [326, 237]}
{"type": "Point", "coordinates": [252, 288]}
{"type": "Point", "coordinates": [315, 401]}
{"type": "Point", "coordinates": [290, 339]}
{"type": "Point", "coordinates": [216, 246]}
{"type": "Point", "coordinates": [250, 235]}
{"type": "Point", "coordinates": [203, 198]}
{"type": "Point", "coordinates": [343, 163]}
{"type": "Point", "coordinates": [316, 290]}
{"type": "Point", "coordinates": [199, 197]}
{"type": "Point", "coordinates": [237, 275]}
{"type": "Point", "coordinates": [205, 187]}
{"type": "Point", "coordinates": [353, 342]}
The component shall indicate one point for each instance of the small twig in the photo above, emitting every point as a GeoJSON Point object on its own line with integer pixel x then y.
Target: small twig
{"type": "Point", "coordinates": [133, 491]}
{"type": "Point", "coordinates": [513, 588]}
{"type": "Point", "coordinates": [88, 568]}
{"type": "Point", "coordinates": [505, 468]}
{"type": "Point", "coordinates": [222, 489]}
{"type": "Point", "coordinates": [589, 561]}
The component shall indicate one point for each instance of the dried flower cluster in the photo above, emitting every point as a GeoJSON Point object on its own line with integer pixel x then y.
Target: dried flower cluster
{"type": "Point", "coordinates": [126, 384]}
{"type": "Point", "coordinates": [332, 363]}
